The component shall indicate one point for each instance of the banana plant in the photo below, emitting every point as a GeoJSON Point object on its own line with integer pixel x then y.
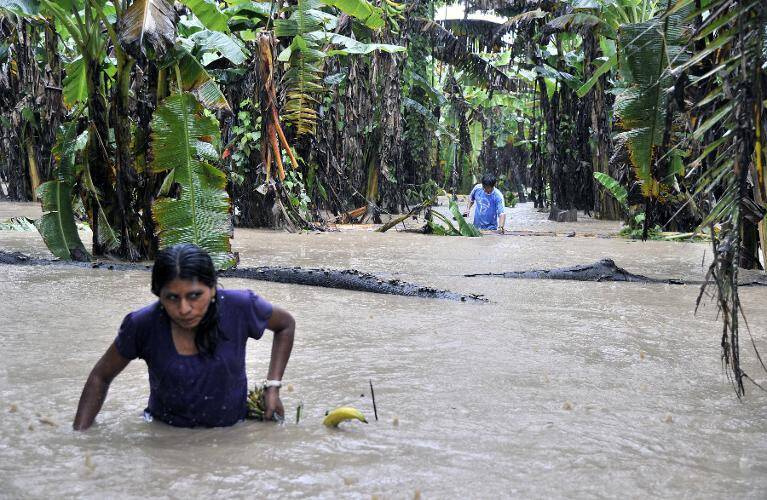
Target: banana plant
{"type": "Point", "coordinates": [184, 140]}
{"type": "Point", "coordinates": [57, 225]}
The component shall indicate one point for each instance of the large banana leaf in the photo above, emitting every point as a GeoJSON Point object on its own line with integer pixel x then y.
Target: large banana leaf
{"type": "Point", "coordinates": [208, 13]}
{"type": "Point", "coordinates": [649, 51]}
{"type": "Point", "coordinates": [303, 79]}
{"type": "Point", "coordinates": [196, 80]}
{"type": "Point", "coordinates": [23, 8]}
{"type": "Point", "coordinates": [614, 187]}
{"type": "Point", "coordinates": [304, 19]}
{"type": "Point", "coordinates": [57, 225]}
{"type": "Point", "coordinates": [215, 41]}
{"type": "Point", "coordinates": [467, 228]}
{"type": "Point", "coordinates": [448, 229]}
{"type": "Point", "coordinates": [181, 135]}
{"type": "Point", "coordinates": [150, 20]}
{"type": "Point", "coordinates": [361, 9]}
{"type": "Point", "coordinates": [350, 45]}
{"type": "Point", "coordinates": [75, 83]}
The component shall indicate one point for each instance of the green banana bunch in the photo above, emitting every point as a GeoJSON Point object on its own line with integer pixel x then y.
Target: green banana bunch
{"type": "Point", "coordinates": [394, 13]}
{"type": "Point", "coordinates": [256, 403]}
{"type": "Point", "coordinates": [335, 417]}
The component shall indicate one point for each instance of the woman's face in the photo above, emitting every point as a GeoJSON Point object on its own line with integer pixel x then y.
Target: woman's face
{"type": "Point", "coordinates": [186, 301]}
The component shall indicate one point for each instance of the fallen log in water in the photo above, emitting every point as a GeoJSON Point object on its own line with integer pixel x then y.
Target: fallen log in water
{"type": "Point", "coordinates": [604, 270]}
{"type": "Point", "coordinates": [327, 278]}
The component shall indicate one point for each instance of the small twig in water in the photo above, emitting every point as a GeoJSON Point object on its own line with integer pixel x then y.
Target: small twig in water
{"type": "Point", "coordinates": [373, 396]}
{"type": "Point", "coordinates": [298, 411]}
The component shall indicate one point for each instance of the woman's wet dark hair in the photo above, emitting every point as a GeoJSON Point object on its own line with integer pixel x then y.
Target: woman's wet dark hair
{"type": "Point", "coordinates": [189, 262]}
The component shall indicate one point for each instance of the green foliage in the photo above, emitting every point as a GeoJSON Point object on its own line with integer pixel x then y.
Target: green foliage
{"type": "Point", "coordinates": [649, 51]}
{"type": "Point", "coordinates": [209, 14]}
{"type": "Point", "coordinates": [295, 190]}
{"type": "Point", "coordinates": [75, 83]}
{"type": "Point", "coordinates": [214, 43]}
{"type": "Point", "coordinates": [448, 229]}
{"type": "Point", "coordinates": [181, 136]}
{"type": "Point", "coordinates": [613, 187]}
{"type": "Point", "coordinates": [635, 230]}
{"type": "Point", "coordinates": [246, 141]}
{"type": "Point", "coordinates": [23, 224]}
{"type": "Point", "coordinates": [304, 83]}
{"type": "Point", "coordinates": [511, 199]}
{"type": "Point", "coordinates": [23, 8]}
{"type": "Point", "coordinates": [195, 79]}
{"type": "Point", "coordinates": [426, 191]}
{"type": "Point", "coordinates": [57, 225]}
{"type": "Point", "coordinates": [363, 10]}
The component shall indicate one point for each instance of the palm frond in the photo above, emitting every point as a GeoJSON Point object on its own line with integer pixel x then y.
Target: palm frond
{"type": "Point", "coordinates": [730, 132]}
{"type": "Point", "coordinates": [649, 52]}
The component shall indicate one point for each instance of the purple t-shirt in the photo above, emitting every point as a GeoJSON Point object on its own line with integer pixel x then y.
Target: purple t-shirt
{"type": "Point", "coordinates": [196, 390]}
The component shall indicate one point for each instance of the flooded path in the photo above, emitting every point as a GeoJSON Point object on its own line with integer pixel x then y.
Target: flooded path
{"type": "Point", "coordinates": [553, 389]}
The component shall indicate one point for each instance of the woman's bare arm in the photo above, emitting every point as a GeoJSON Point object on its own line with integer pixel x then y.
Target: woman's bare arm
{"type": "Point", "coordinates": [284, 327]}
{"type": "Point", "coordinates": [96, 387]}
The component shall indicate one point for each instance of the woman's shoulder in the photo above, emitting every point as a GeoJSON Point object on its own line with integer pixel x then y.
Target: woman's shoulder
{"type": "Point", "coordinates": [238, 298]}
{"type": "Point", "coordinates": [246, 301]}
{"type": "Point", "coordinates": [146, 316]}
{"type": "Point", "coordinates": [235, 297]}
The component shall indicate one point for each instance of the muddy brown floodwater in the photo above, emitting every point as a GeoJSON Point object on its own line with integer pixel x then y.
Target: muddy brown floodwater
{"type": "Point", "coordinates": [551, 390]}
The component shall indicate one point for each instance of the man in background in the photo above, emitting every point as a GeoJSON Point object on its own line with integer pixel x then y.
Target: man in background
{"type": "Point", "coordinates": [490, 212]}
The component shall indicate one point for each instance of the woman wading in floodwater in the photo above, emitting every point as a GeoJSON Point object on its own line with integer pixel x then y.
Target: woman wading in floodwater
{"type": "Point", "coordinates": [193, 342]}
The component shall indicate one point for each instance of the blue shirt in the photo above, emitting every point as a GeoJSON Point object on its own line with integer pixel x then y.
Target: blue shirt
{"type": "Point", "coordinates": [489, 207]}
{"type": "Point", "coordinates": [196, 390]}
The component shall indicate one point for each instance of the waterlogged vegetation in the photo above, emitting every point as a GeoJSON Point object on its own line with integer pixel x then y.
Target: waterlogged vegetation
{"type": "Point", "coordinates": [155, 122]}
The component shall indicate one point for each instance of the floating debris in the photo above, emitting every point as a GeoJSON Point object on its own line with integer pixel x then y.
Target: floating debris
{"type": "Point", "coordinates": [47, 421]}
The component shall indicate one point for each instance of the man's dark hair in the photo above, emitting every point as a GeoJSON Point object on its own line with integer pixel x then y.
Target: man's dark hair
{"type": "Point", "coordinates": [488, 180]}
{"type": "Point", "coordinates": [189, 262]}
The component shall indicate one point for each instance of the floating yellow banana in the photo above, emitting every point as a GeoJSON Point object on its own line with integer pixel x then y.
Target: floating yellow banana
{"type": "Point", "coordinates": [338, 415]}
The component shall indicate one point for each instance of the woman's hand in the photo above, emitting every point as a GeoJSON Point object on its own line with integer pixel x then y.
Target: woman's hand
{"type": "Point", "coordinates": [273, 404]}
{"type": "Point", "coordinates": [284, 326]}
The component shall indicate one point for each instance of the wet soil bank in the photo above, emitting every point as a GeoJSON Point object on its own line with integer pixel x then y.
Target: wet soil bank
{"type": "Point", "coordinates": [347, 279]}
{"type": "Point", "coordinates": [606, 270]}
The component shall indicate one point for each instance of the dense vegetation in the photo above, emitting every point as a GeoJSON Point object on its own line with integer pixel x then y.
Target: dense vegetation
{"type": "Point", "coordinates": [159, 122]}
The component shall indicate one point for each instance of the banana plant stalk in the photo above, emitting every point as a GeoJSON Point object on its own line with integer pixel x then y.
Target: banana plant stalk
{"type": "Point", "coordinates": [274, 135]}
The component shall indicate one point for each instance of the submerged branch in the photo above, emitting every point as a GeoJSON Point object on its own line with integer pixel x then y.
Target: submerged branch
{"type": "Point", "coordinates": [327, 278]}
{"type": "Point", "coordinates": [603, 270]}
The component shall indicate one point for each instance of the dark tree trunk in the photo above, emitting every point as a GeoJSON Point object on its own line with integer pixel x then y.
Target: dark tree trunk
{"type": "Point", "coordinates": [99, 163]}
{"type": "Point", "coordinates": [126, 217]}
